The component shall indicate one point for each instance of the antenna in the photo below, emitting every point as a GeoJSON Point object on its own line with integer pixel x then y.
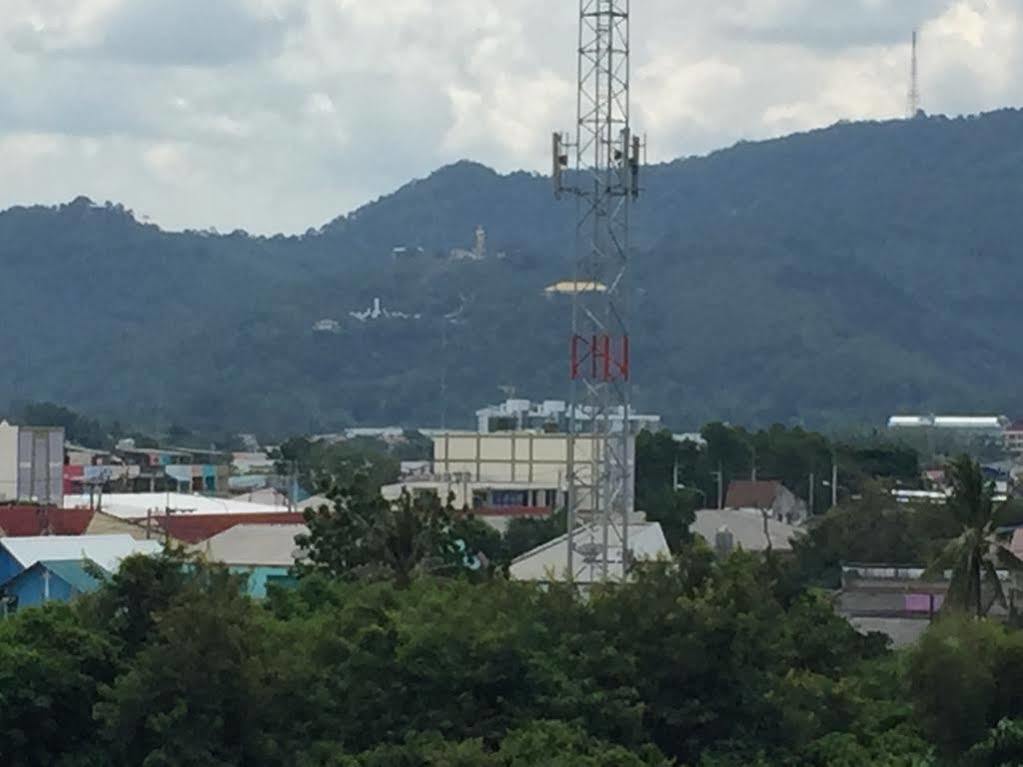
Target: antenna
{"type": "Point", "coordinates": [914, 81]}
{"type": "Point", "coordinates": [604, 182]}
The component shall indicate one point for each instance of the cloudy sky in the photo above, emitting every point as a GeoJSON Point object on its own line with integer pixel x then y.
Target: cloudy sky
{"type": "Point", "coordinates": [277, 115]}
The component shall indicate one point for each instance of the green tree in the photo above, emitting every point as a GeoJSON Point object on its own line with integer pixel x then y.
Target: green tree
{"type": "Point", "coordinates": [51, 671]}
{"type": "Point", "coordinates": [976, 554]}
{"type": "Point", "coordinates": [366, 536]}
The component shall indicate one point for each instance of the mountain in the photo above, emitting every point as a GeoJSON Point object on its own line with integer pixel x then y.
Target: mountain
{"type": "Point", "coordinates": [828, 278]}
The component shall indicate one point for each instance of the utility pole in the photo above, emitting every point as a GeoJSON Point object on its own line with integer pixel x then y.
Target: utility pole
{"type": "Point", "coordinates": [813, 479]}
{"type": "Point", "coordinates": [721, 486]}
{"type": "Point", "coordinates": [753, 467]}
{"type": "Point", "coordinates": [834, 480]}
{"type": "Point", "coordinates": [604, 183]}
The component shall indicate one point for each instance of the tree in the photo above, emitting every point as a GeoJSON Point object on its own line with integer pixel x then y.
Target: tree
{"type": "Point", "coordinates": [976, 554]}
{"type": "Point", "coordinates": [364, 535]}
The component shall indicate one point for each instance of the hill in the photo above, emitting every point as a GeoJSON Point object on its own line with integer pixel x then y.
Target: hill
{"type": "Point", "coordinates": [829, 278]}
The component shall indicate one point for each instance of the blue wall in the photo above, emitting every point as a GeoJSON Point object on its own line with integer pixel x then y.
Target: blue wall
{"type": "Point", "coordinates": [30, 588]}
{"type": "Point", "coordinates": [9, 566]}
{"type": "Point", "coordinates": [258, 578]}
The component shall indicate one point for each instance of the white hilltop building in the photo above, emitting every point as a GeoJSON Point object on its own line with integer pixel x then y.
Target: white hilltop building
{"type": "Point", "coordinates": [479, 248]}
{"type": "Point", "coordinates": [378, 312]}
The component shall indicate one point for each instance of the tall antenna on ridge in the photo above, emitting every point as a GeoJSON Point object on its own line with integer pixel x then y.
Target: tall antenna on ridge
{"type": "Point", "coordinates": [914, 81]}
{"type": "Point", "coordinates": [601, 443]}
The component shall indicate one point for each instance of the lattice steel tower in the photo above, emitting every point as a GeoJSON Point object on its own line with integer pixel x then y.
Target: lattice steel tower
{"type": "Point", "coordinates": [604, 181]}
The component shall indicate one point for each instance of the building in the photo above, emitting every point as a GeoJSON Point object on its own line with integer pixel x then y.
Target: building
{"type": "Point", "coordinates": [31, 464]}
{"type": "Point", "coordinates": [770, 496]}
{"type": "Point", "coordinates": [552, 416]}
{"type": "Point", "coordinates": [726, 530]}
{"type": "Point", "coordinates": [49, 581]}
{"type": "Point", "coordinates": [548, 563]}
{"type": "Point", "coordinates": [1013, 436]}
{"type": "Point", "coordinates": [971, 424]}
{"type": "Point", "coordinates": [107, 551]}
{"type": "Point", "coordinates": [503, 473]}
{"type": "Point", "coordinates": [265, 554]}
{"type": "Point", "coordinates": [892, 600]}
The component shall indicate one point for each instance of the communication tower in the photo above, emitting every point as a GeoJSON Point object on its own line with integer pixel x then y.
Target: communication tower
{"type": "Point", "coordinates": [914, 81]}
{"type": "Point", "coordinates": [604, 179]}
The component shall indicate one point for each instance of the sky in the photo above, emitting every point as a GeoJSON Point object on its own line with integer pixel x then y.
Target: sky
{"type": "Point", "coordinates": [279, 115]}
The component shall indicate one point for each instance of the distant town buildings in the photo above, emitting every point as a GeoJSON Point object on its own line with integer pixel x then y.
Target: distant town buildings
{"type": "Point", "coordinates": [552, 416]}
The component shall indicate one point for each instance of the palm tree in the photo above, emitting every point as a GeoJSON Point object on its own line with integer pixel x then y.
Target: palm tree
{"type": "Point", "coordinates": [976, 555]}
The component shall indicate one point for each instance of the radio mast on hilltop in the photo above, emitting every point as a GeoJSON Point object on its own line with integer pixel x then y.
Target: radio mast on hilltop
{"type": "Point", "coordinates": [604, 182]}
{"type": "Point", "coordinates": [914, 81]}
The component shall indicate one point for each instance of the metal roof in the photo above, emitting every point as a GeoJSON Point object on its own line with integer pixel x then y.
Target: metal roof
{"type": "Point", "coordinates": [139, 505]}
{"type": "Point", "coordinates": [746, 527]}
{"type": "Point", "coordinates": [73, 572]}
{"type": "Point", "coordinates": [107, 551]}
{"type": "Point", "coordinates": [548, 562]}
{"type": "Point", "coordinates": [267, 545]}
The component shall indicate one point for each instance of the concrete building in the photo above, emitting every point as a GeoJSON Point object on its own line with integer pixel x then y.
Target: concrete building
{"type": "Point", "coordinates": [31, 464]}
{"type": "Point", "coordinates": [551, 416]}
{"type": "Point", "coordinates": [548, 563]}
{"type": "Point", "coordinates": [503, 472]}
{"type": "Point", "coordinates": [1013, 436]}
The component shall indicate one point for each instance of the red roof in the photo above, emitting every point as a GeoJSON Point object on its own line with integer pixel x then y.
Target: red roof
{"type": "Point", "coordinates": [745, 494]}
{"type": "Point", "coordinates": [195, 528]}
{"type": "Point", "coordinates": [28, 521]}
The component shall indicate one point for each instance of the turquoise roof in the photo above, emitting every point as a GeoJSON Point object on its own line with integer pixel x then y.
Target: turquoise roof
{"type": "Point", "coordinates": [74, 573]}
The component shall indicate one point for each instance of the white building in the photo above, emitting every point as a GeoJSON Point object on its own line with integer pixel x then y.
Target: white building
{"type": "Point", "coordinates": [554, 416]}
{"type": "Point", "coordinates": [31, 464]}
{"type": "Point", "coordinates": [549, 563]}
{"type": "Point", "coordinates": [963, 423]}
{"type": "Point", "coordinates": [510, 472]}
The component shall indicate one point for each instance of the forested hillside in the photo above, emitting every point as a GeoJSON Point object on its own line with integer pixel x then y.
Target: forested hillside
{"type": "Point", "coordinates": [827, 278]}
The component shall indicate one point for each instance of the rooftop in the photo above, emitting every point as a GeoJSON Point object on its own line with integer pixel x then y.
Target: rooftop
{"type": "Point", "coordinates": [746, 527]}
{"type": "Point", "coordinates": [549, 561]}
{"type": "Point", "coordinates": [258, 545]}
{"type": "Point", "coordinates": [140, 505]}
{"type": "Point", "coordinates": [107, 551]}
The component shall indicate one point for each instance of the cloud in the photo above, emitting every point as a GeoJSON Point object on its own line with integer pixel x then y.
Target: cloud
{"type": "Point", "coordinates": [280, 114]}
{"type": "Point", "coordinates": [203, 33]}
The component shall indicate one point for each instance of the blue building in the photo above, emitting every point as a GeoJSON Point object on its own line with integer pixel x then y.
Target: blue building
{"type": "Point", "coordinates": [49, 581]}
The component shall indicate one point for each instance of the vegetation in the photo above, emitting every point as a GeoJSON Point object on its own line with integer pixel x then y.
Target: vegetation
{"type": "Point", "coordinates": [977, 553]}
{"type": "Point", "coordinates": [404, 644]}
{"type": "Point", "coordinates": [788, 281]}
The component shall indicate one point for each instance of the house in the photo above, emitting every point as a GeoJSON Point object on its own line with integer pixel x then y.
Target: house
{"type": "Point", "coordinates": [749, 529]}
{"type": "Point", "coordinates": [58, 580]}
{"type": "Point", "coordinates": [766, 496]}
{"type": "Point", "coordinates": [264, 553]}
{"type": "Point", "coordinates": [107, 551]}
{"type": "Point", "coordinates": [549, 562]}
